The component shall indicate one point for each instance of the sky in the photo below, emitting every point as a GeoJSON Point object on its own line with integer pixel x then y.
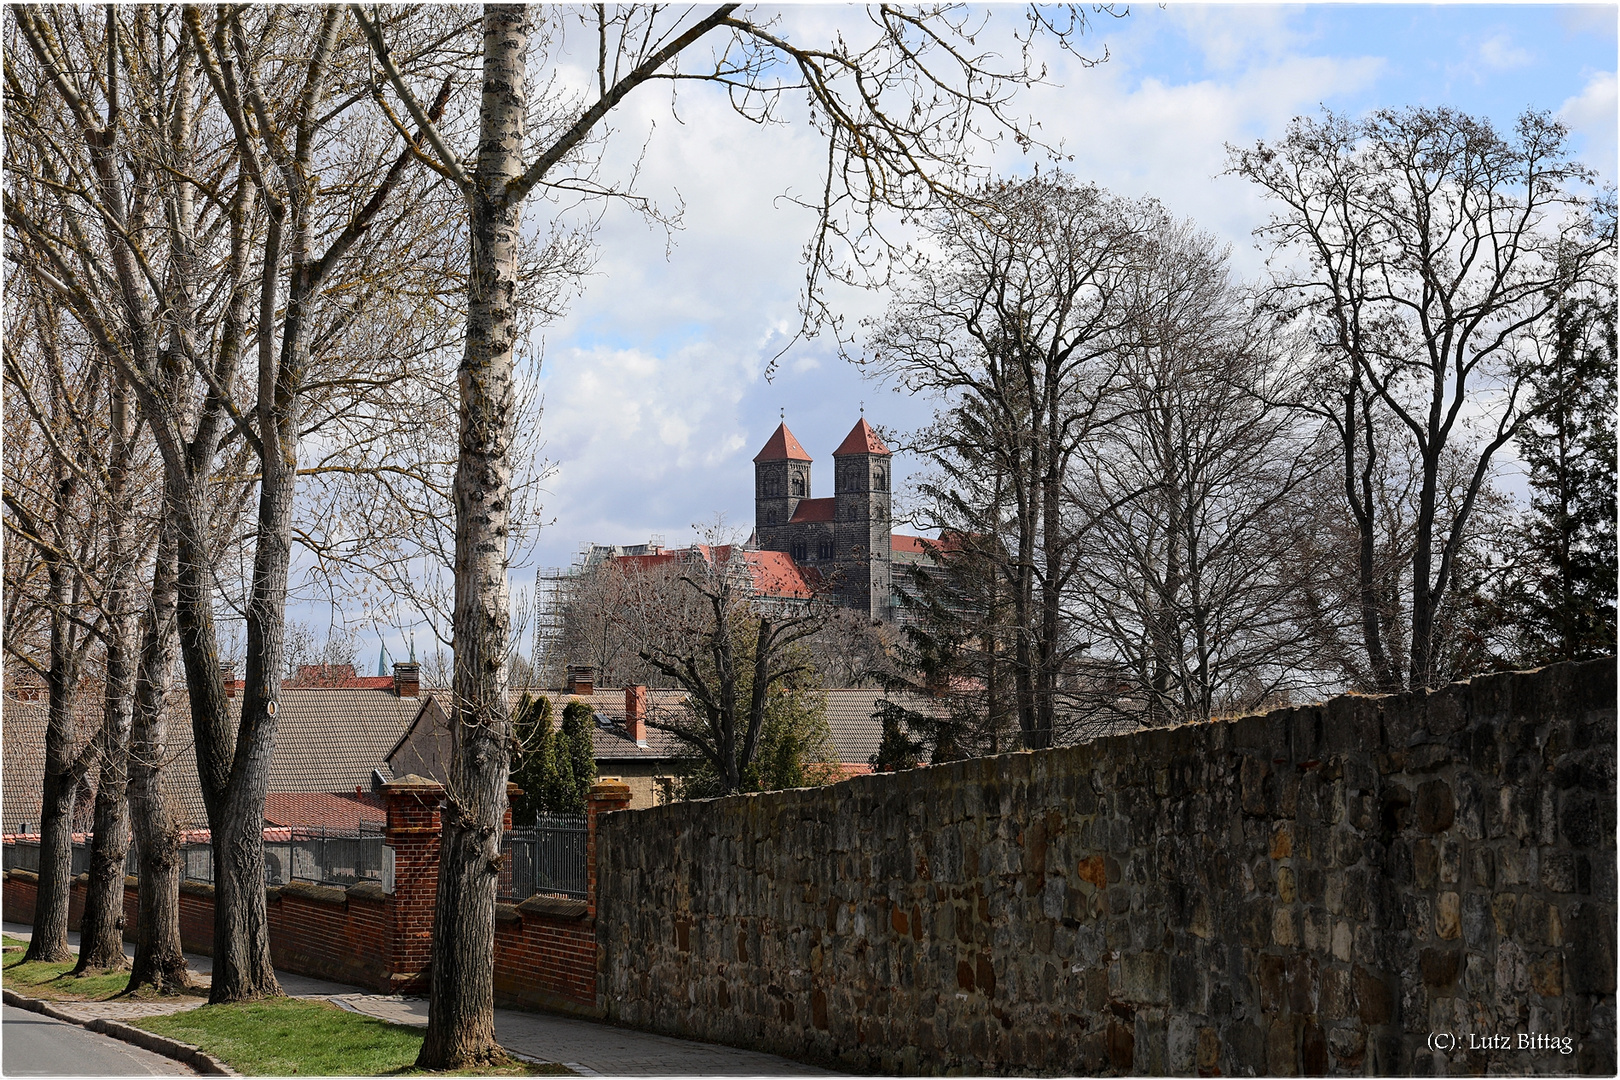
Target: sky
{"type": "Point", "coordinates": [655, 383]}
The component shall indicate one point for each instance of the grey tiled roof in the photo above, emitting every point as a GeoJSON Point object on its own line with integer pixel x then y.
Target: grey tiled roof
{"type": "Point", "coordinates": [856, 733]}
{"type": "Point", "coordinates": [24, 746]}
{"type": "Point", "coordinates": [326, 741]}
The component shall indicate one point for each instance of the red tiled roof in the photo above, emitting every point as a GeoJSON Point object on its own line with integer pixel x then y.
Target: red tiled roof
{"type": "Point", "coordinates": [861, 440]}
{"type": "Point", "coordinates": [814, 510]}
{"type": "Point", "coordinates": [776, 574]}
{"type": "Point", "coordinates": [332, 810]}
{"type": "Point", "coordinates": [335, 677]}
{"type": "Point", "coordinates": [913, 544]}
{"type": "Point", "coordinates": [782, 445]}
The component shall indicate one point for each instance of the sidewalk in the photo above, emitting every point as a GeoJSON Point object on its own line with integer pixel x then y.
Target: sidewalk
{"type": "Point", "coordinates": [586, 1047]}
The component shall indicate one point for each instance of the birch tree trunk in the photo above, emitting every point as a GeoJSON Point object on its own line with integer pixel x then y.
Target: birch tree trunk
{"type": "Point", "coordinates": [461, 1005]}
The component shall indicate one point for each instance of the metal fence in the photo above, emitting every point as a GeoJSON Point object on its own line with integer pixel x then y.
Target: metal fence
{"type": "Point", "coordinates": [323, 856]}
{"type": "Point", "coordinates": [548, 857]}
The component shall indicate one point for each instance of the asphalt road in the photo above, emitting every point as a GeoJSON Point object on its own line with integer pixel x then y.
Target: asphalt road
{"type": "Point", "coordinates": [36, 1045]}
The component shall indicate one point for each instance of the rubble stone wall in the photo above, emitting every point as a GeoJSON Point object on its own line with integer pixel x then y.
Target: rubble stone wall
{"type": "Point", "coordinates": [1374, 885]}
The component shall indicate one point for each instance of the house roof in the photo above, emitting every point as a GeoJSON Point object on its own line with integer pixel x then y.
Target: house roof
{"type": "Point", "coordinates": [335, 676]}
{"type": "Point", "coordinates": [777, 576]}
{"type": "Point", "coordinates": [856, 733]}
{"type": "Point", "coordinates": [911, 545]}
{"type": "Point", "coordinates": [24, 735]}
{"type": "Point", "coordinates": [772, 574]}
{"type": "Point", "coordinates": [814, 510]}
{"type": "Point", "coordinates": [330, 810]}
{"type": "Point", "coordinates": [782, 446]}
{"type": "Point", "coordinates": [861, 440]}
{"type": "Point", "coordinates": [327, 740]}
{"type": "Point", "coordinates": [610, 741]}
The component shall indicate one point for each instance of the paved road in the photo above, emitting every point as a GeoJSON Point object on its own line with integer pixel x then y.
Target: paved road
{"type": "Point", "coordinates": [36, 1045]}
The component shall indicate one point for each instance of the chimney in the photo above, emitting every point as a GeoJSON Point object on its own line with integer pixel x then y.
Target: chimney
{"type": "Point", "coordinates": [407, 678]}
{"type": "Point", "coordinates": [635, 713]}
{"type": "Point", "coordinates": [581, 680]}
{"type": "Point", "coordinates": [227, 675]}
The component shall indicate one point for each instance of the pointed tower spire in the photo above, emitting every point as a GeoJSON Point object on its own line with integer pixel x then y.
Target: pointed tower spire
{"type": "Point", "coordinates": [782, 446]}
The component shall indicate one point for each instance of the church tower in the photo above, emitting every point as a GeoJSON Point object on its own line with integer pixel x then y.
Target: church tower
{"type": "Point", "coordinates": [861, 492]}
{"type": "Point", "coordinates": [781, 481]}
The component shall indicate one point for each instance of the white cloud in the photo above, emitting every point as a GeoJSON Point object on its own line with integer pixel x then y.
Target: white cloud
{"type": "Point", "coordinates": [1592, 116]}
{"type": "Point", "coordinates": [1499, 53]}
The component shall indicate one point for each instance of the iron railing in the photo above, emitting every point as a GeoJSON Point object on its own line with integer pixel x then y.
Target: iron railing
{"type": "Point", "coordinates": [548, 857]}
{"type": "Point", "coordinates": [313, 854]}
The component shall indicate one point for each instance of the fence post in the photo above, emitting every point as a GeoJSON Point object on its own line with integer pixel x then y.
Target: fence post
{"type": "Point", "coordinates": [606, 795]}
{"type": "Point", "coordinates": [411, 838]}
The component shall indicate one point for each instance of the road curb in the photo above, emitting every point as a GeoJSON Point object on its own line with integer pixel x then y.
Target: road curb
{"type": "Point", "coordinates": [195, 1056]}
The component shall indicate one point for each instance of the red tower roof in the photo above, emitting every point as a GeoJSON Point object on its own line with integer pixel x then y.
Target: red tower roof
{"type": "Point", "coordinates": [782, 445]}
{"type": "Point", "coordinates": [861, 440]}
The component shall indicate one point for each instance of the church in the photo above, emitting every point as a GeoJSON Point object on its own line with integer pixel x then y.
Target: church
{"type": "Point", "coordinates": [844, 541]}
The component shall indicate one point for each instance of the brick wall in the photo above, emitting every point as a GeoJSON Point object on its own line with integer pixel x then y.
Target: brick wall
{"type": "Point", "coordinates": [1339, 888]}
{"type": "Point", "coordinates": [545, 948]}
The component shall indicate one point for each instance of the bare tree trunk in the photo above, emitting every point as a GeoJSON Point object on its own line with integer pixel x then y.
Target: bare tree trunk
{"type": "Point", "coordinates": [64, 768]}
{"type": "Point", "coordinates": [242, 967]}
{"type": "Point", "coordinates": [1425, 599]}
{"type": "Point", "coordinates": [461, 1005]}
{"type": "Point", "coordinates": [1359, 492]}
{"type": "Point", "coordinates": [101, 928]}
{"type": "Point", "coordinates": [159, 960]}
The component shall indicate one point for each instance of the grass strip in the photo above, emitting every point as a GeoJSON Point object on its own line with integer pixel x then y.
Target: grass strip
{"type": "Point", "coordinates": [293, 1037]}
{"type": "Point", "coordinates": [54, 983]}
{"type": "Point", "coordinates": [12, 943]}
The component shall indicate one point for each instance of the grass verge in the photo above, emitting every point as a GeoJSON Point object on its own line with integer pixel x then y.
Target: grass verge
{"type": "Point", "coordinates": [12, 943]}
{"type": "Point", "coordinates": [52, 981]}
{"type": "Point", "coordinates": [288, 1037]}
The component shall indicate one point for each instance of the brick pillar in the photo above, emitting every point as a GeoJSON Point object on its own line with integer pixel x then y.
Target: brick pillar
{"type": "Point", "coordinates": [412, 835]}
{"type": "Point", "coordinates": [606, 795]}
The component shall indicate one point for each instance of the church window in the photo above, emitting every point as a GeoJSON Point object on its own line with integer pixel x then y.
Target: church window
{"type": "Point", "coordinates": [798, 553]}
{"type": "Point", "coordinates": [880, 480]}
{"type": "Point", "coordinates": [824, 550]}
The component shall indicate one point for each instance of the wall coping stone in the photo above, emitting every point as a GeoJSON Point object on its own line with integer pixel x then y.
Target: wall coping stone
{"type": "Point", "coordinates": [19, 874]}
{"type": "Point", "coordinates": [507, 913]}
{"type": "Point", "coordinates": [556, 906]}
{"type": "Point", "coordinates": [320, 894]}
{"type": "Point", "coordinates": [367, 890]}
{"type": "Point", "coordinates": [197, 888]}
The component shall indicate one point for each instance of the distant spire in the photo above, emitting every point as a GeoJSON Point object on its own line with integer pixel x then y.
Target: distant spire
{"type": "Point", "coordinates": [413, 646]}
{"type": "Point", "coordinates": [382, 658]}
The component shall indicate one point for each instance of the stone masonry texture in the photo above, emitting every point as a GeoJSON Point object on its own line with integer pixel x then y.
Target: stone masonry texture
{"type": "Point", "coordinates": [1315, 890]}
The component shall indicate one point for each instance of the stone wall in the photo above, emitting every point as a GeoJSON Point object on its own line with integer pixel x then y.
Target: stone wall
{"type": "Point", "coordinates": [1373, 885]}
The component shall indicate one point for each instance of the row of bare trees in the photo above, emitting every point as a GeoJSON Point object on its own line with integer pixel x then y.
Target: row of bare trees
{"type": "Point", "coordinates": [244, 245]}
{"type": "Point", "coordinates": [1167, 496]}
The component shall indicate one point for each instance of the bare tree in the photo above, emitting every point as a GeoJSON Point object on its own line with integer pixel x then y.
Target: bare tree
{"type": "Point", "coordinates": [50, 508]}
{"type": "Point", "coordinates": [1194, 494]}
{"type": "Point", "coordinates": [731, 654]}
{"type": "Point", "coordinates": [202, 235]}
{"type": "Point", "coordinates": [1020, 314]}
{"type": "Point", "coordinates": [1434, 250]}
{"type": "Point", "coordinates": [897, 116]}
